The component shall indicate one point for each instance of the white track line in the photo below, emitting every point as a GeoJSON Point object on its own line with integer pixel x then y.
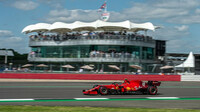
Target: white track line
{"type": "Point", "coordinates": [16, 99]}
{"type": "Point", "coordinates": [91, 98]}
{"type": "Point", "coordinates": [162, 97]}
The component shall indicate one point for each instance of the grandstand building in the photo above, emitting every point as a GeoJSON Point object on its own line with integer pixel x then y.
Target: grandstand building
{"type": "Point", "coordinates": [103, 46]}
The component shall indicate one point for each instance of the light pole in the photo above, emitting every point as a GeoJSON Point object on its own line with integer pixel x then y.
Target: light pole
{"type": "Point", "coordinates": [6, 58]}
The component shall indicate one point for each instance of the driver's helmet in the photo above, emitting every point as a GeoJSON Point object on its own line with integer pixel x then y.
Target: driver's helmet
{"type": "Point", "coordinates": [126, 80]}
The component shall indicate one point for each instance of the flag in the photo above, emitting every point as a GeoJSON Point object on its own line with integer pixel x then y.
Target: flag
{"type": "Point", "coordinates": [102, 6]}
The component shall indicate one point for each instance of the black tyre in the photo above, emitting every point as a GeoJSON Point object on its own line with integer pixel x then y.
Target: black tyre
{"type": "Point", "coordinates": [103, 90]}
{"type": "Point", "coordinates": [152, 90]}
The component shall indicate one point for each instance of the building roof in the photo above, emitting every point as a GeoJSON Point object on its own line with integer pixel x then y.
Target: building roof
{"type": "Point", "coordinates": [89, 26]}
{"type": "Point", "coordinates": [6, 52]}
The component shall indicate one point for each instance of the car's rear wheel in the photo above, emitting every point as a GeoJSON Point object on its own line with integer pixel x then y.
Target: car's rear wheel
{"type": "Point", "coordinates": [152, 90]}
{"type": "Point", "coordinates": [103, 90]}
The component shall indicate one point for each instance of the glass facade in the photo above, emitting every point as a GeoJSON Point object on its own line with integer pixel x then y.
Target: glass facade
{"type": "Point", "coordinates": [147, 53]}
{"type": "Point", "coordinates": [87, 51]}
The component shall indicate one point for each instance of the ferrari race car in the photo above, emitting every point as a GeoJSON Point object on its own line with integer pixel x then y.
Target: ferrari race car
{"type": "Point", "coordinates": [127, 87]}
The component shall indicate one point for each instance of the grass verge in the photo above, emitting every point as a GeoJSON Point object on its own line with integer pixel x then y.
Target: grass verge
{"type": "Point", "coordinates": [84, 109]}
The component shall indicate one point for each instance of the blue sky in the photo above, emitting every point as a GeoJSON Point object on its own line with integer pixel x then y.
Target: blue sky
{"type": "Point", "coordinates": [180, 19]}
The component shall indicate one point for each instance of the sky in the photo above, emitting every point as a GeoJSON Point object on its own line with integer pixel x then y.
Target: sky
{"type": "Point", "coordinates": [179, 19]}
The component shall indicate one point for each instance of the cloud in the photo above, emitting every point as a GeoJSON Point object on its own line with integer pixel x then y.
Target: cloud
{"type": "Point", "coordinates": [56, 4]}
{"type": "Point", "coordinates": [189, 19]}
{"type": "Point", "coordinates": [175, 3]}
{"type": "Point", "coordinates": [176, 37]}
{"type": "Point", "coordinates": [172, 11]}
{"type": "Point", "coordinates": [9, 41]}
{"type": "Point", "coordinates": [182, 46]}
{"type": "Point", "coordinates": [14, 39]}
{"type": "Point", "coordinates": [25, 5]}
{"type": "Point", "coordinates": [65, 15]}
{"type": "Point", "coordinates": [146, 11]}
{"type": "Point", "coordinates": [5, 33]}
{"type": "Point", "coordinates": [170, 33]}
{"type": "Point", "coordinates": [33, 4]}
{"type": "Point", "coordinates": [197, 11]}
{"type": "Point", "coordinates": [182, 28]}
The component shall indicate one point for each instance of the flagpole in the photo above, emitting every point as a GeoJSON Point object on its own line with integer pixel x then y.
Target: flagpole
{"type": "Point", "coordinates": [105, 10]}
{"type": "Point", "coordinates": [104, 15]}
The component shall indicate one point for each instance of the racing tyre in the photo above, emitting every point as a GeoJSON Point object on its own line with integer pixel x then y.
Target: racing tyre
{"type": "Point", "coordinates": [103, 90]}
{"type": "Point", "coordinates": [152, 90]}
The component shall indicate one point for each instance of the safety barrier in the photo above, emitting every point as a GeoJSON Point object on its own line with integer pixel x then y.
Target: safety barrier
{"type": "Point", "coordinates": [90, 76]}
{"type": "Point", "coordinates": [190, 78]}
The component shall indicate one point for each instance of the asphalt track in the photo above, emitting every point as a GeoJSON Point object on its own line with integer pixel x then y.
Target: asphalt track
{"type": "Point", "coordinates": [171, 95]}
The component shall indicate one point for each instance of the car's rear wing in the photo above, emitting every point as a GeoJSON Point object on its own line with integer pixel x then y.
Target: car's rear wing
{"type": "Point", "coordinates": [154, 83]}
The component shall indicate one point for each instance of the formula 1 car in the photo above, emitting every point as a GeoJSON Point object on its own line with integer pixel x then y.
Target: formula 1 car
{"type": "Point", "coordinates": [127, 87]}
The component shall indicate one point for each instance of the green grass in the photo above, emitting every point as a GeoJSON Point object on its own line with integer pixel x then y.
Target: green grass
{"type": "Point", "coordinates": [84, 109]}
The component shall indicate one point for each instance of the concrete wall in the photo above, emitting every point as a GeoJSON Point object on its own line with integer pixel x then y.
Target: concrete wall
{"type": "Point", "coordinates": [190, 78]}
{"type": "Point", "coordinates": [91, 76]}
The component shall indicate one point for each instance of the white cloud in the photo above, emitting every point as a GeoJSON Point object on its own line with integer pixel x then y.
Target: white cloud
{"type": "Point", "coordinates": [150, 11]}
{"type": "Point", "coordinates": [19, 44]}
{"type": "Point", "coordinates": [10, 41]}
{"type": "Point", "coordinates": [25, 5]}
{"type": "Point", "coordinates": [14, 39]}
{"type": "Point", "coordinates": [176, 3]}
{"type": "Point", "coordinates": [182, 28]}
{"type": "Point", "coordinates": [189, 19]}
{"type": "Point", "coordinates": [175, 38]}
{"type": "Point", "coordinates": [170, 33]}
{"type": "Point", "coordinates": [182, 46]}
{"type": "Point", "coordinates": [57, 4]}
{"type": "Point", "coordinates": [197, 11]}
{"type": "Point", "coordinates": [173, 11]}
{"type": "Point", "coordinates": [5, 33]}
{"type": "Point", "coordinates": [65, 15]}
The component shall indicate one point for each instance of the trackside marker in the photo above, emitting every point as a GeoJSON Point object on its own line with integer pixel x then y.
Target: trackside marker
{"type": "Point", "coordinates": [16, 99]}
{"type": "Point", "coordinates": [162, 98]}
{"type": "Point", "coordinates": [91, 98]}
{"type": "Point", "coordinates": [96, 99]}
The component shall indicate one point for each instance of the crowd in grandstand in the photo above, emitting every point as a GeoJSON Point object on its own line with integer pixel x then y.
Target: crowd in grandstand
{"type": "Point", "coordinates": [99, 54]}
{"type": "Point", "coordinates": [89, 35]}
{"type": "Point", "coordinates": [111, 54]}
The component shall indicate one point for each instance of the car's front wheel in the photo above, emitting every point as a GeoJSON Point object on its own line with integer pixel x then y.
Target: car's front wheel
{"type": "Point", "coordinates": [103, 90]}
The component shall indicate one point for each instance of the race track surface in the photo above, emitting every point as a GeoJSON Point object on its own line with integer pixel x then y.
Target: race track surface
{"type": "Point", "coordinates": [170, 95]}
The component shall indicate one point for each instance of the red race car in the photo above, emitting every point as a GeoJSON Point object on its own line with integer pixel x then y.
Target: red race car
{"type": "Point", "coordinates": [127, 87]}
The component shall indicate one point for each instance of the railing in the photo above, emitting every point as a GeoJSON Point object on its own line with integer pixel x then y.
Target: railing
{"type": "Point", "coordinates": [96, 55]}
{"type": "Point", "coordinates": [92, 37]}
{"type": "Point", "coordinates": [115, 58]}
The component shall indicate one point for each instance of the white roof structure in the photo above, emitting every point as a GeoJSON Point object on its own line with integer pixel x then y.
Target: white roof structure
{"type": "Point", "coordinates": [189, 62]}
{"type": "Point", "coordinates": [36, 27]}
{"type": "Point", "coordinates": [6, 52]}
{"type": "Point", "coordinates": [59, 27]}
{"type": "Point", "coordinates": [89, 26]}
